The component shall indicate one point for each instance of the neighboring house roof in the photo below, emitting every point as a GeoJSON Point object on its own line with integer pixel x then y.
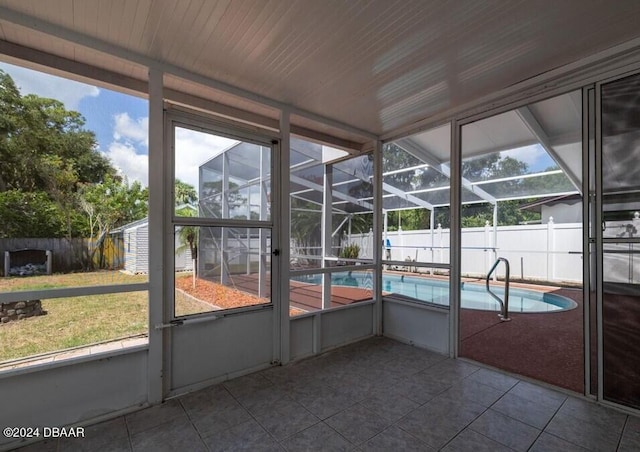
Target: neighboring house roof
{"type": "Point", "coordinates": [132, 225]}
{"type": "Point", "coordinates": [536, 206]}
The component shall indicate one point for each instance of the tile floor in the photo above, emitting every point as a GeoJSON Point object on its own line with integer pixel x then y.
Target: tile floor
{"type": "Point", "coordinates": [376, 395]}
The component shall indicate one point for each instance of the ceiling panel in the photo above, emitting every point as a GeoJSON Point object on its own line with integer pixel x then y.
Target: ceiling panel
{"type": "Point", "coordinates": [375, 65]}
{"type": "Point", "coordinates": [497, 133]}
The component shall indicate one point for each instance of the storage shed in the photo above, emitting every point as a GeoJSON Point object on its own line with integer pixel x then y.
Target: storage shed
{"type": "Point", "coordinates": [135, 237]}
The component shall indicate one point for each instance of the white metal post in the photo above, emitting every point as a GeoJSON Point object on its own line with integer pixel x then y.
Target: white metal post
{"type": "Point", "coordinates": [248, 231]}
{"type": "Point", "coordinates": [383, 244]}
{"type": "Point", "coordinates": [455, 239]}
{"type": "Point", "coordinates": [224, 242]}
{"type": "Point", "coordinates": [378, 216]}
{"type": "Point", "coordinates": [550, 249]}
{"type": "Point", "coordinates": [432, 220]}
{"type": "Point", "coordinates": [327, 210]}
{"type": "Point", "coordinates": [159, 308]}
{"type": "Point", "coordinates": [264, 203]}
{"type": "Point", "coordinates": [281, 216]}
{"type": "Point", "coordinates": [495, 231]}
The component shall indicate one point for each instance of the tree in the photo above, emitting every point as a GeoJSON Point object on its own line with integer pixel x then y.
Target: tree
{"type": "Point", "coordinates": [47, 153]}
{"type": "Point", "coordinates": [211, 201]}
{"type": "Point", "coordinates": [111, 204]}
{"type": "Point", "coordinates": [184, 193]}
{"type": "Point", "coordinates": [188, 236]}
{"type": "Point", "coordinates": [24, 214]}
{"type": "Point", "coordinates": [306, 226]}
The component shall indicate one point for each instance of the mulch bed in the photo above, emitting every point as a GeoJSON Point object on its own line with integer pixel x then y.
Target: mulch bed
{"type": "Point", "coordinates": [221, 296]}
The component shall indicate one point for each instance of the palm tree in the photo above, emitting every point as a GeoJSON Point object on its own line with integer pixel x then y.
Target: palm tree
{"type": "Point", "coordinates": [187, 235]}
{"type": "Point", "coordinates": [184, 193]}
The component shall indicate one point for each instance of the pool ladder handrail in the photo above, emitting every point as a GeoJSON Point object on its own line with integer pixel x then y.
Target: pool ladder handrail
{"type": "Point", "coordinates": [504, 305]}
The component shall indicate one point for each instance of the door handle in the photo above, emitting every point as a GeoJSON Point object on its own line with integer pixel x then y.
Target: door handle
{"type": "Point", "coordinates": [276, 252]}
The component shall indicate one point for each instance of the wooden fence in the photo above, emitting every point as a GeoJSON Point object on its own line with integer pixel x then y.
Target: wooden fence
{"type": "Point", "coordinates": [71, 254]}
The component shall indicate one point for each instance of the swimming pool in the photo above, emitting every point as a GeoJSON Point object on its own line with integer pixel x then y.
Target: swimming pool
{"type": "Point", "coordinates": [474, 296]}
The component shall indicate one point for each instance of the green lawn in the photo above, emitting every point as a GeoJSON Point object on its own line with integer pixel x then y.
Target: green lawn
{"type": "Point", "coordinates": [75, 321]}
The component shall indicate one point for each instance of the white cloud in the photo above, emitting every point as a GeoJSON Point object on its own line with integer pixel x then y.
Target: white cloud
{"type": "Point", "coordinates": [193, 149]}
{"type": "Point", "coordinates": [44, 85]}
{"type": "Point", "coordinates": [129, 130]}
{"type": "Point", "coordinates": [135, 166]}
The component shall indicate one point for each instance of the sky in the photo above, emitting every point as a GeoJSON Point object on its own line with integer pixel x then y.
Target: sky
{"type": "Point", "coordinates": [120, 123]}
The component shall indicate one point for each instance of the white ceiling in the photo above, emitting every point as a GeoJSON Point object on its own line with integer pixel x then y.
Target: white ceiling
{"type": "Point", "coordinates": [375, 65]}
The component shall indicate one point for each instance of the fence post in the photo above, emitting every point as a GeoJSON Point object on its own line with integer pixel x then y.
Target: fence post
{"type": "Point", "coordinates": [440, 242]}
{"type": "Point", "coordinates": [7, 263]}
{"type": "Point", "coordinates": [49, 262]}
{"type": "Point", "coordinates": [550, 249]}
{"type": "Point", "coordinates": [487, 246]}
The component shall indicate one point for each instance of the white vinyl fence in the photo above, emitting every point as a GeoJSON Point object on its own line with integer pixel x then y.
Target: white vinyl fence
{"type": "Point", "coordinates": [547, 252]}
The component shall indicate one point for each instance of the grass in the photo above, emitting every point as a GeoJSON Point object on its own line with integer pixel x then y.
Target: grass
{"type": "Point", "coordinates": [99, 278]}
{"type": "Point", "coordinates": [75, 321]}
{"type": "Point", "coordinates": [79, 321]}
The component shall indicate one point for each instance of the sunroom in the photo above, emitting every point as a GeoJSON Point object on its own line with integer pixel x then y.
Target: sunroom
{"type": "Point", "coordinates": [352, 184]}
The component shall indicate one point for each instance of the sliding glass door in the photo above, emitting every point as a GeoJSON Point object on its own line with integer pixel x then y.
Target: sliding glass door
{"type": "Point", "coordinates": [618, 239]}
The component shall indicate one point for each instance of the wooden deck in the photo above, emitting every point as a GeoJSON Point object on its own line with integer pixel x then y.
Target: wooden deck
{"type": "Point", "coordinates": [306, 297]}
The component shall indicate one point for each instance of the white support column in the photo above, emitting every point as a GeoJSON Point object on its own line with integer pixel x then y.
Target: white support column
{"type": "Point", "coordinates": [440, 245]}
{"type": "Point", "coordinates": [432, 220]}
{"type": "Point", "coordinates": [495, 231]}
{"type": "Point", "coordinates": [550, 249]}
{"type": "Point", "coordinates": [378, 217]}
{"type": "Point", "coordinates": [248, 251]}
{"type": "Point", "coordinates": [248, 231]}
{"type": "Point", "coordinates": [159, 277]}
{"type": "Point", "coordinates": [455, 240]}
{"type": "Point", "coordinates": [327, 211]}
{"type": "Point", "coordinates": [224, 242]}
{"type": "Point", "coordinates": [281, 215]}
{"type": "Point", "coordinates": [385, 237]}
{"type": "Point", "coordinates": [402, 254]}
{"type": "Point", "coordinates": [264, 203]}
{"type": "Point", "coordinates": [486, 241]}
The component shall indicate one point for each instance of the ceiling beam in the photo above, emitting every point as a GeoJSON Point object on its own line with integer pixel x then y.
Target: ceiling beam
{"type": "Point", "coordinates": [526, 115]}
{"type": "Point", "coordinates": [423, 154]}
{"type": "Point", "coordinates": [64, 67]}
{"type": "Point", "coordinates": [402, 194]}
{"type": "Point", "coordinates": [352, 147]}
{"type": "Point", "coordinates": [307, 183]}
{"type": "Point", "coordinates": [217, 109]}
{"type": "Point", "coordinates": [395, 191]}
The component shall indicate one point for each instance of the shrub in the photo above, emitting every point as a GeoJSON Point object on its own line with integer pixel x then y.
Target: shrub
{"type": "Point", "coordinates": [351, 251]}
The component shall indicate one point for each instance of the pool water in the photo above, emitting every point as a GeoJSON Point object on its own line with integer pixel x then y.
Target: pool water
{"type": "Point", "coordinates": [474, 296]}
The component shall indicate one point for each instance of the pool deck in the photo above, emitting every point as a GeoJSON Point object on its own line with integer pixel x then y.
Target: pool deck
{"type": "Point", "coordinates": [545, 346]}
